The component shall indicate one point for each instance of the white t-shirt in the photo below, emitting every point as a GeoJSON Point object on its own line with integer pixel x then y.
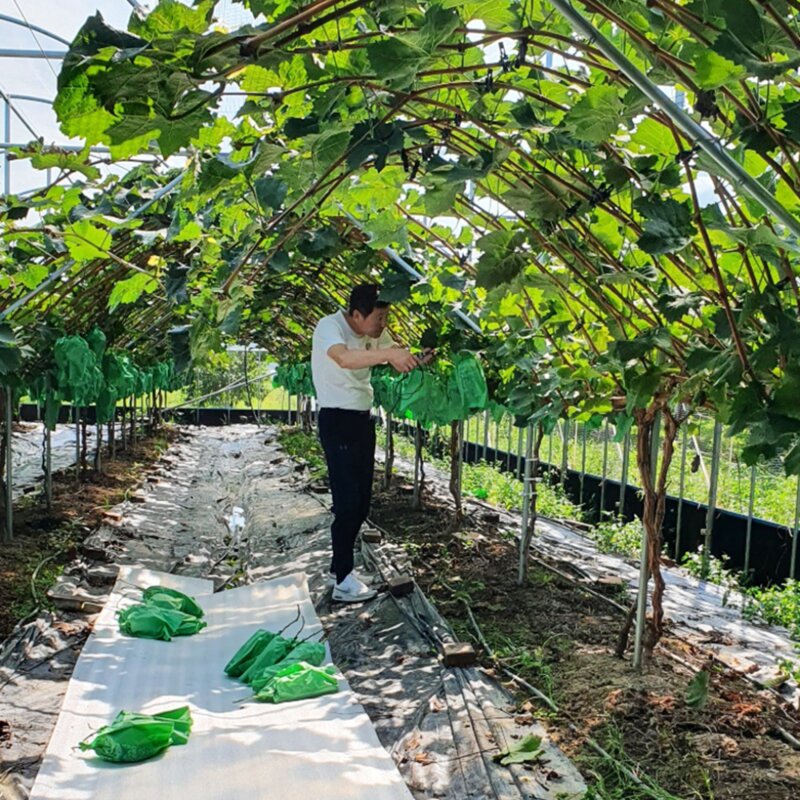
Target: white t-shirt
{"type": "Point", "coordinates": [337, 387]}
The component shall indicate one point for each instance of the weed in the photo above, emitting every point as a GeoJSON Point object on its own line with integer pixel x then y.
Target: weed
{"type": "Point", "coordinates": [611, 774]}
{"type": "Point", "coordinates": [299, 444]}
{"type": "Point", "coordinates": [778, 605]}
{"type": "Point", "coordinates": [614, 535]}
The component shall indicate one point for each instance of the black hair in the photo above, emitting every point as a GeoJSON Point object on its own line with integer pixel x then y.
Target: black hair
{"type": "Point", "coordinates": [364, 299]}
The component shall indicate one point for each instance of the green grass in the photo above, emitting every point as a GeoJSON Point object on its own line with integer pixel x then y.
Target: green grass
{"type": "Point", "coordinates": [487, 482]}
{"type": "Point", "coordinates": [774, 496]}
{"type": "Point", "coordinates": [611, 774]}
{"type": "Point", "coordinates": [614, 535]}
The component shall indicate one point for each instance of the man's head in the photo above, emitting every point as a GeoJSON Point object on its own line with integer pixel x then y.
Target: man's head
{"type": "Point", "coordinates": [367, 315]}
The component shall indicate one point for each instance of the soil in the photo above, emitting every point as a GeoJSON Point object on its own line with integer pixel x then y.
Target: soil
{"type": "Point", "coordinates": [46, 540]}
{"type": "Point", "coordinates": [561, 639]}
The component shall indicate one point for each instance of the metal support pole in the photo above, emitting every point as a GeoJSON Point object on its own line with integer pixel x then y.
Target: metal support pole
{"type": "Point", "coordinates": [623, 482]}
{"type": "Point", "coordinates": [712, 498]}
{"type": "Point", "coordinates": [496, 442]}
{"type": "Point", "coordinates": [715, 149]}
{"type": "Point", "coordinates": [748, 535]}
{"type": "Point", "coordinates": [583, 462]}
{"type": "Point", "coordinates": [417, 496]}
{"type": "Point", "coordinates": [525, 537]}
{"type": "Point", "coordinates": [6, 154]}
{"type": "Point", "coordinates": [32, 27]}
{"type": "Point", "coordinates": [76, 416]}
{"type": "Point", "coordinates": [48, 468]}
{"type": "Point", "coordinates": [565, 453]}
{"type": "Point", "coordinates": [793, 562]}
{"type": "Point", "coordinates": [98, 432]}
{"type": "Point", "coordinates": [681, 484]}
{"type": "Point", "coordinates": [460, 464]}
{"type": "Point", "coordinates": [485, 434]}
{"type": "Point", "coordinates": [9, 526]}
{"type": "Point", "coordinates": [510, 440]}
{"type": "Point", "coordinates": [50, 55]}
{"type": "Point", "coordinates": [605, 472]}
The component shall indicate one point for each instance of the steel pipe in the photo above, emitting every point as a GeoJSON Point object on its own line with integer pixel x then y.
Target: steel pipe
{"type": "Point", "coordinates": [713, 148]}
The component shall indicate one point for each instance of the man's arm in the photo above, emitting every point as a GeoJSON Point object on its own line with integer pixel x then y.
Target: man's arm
{"type": "Point", "coordinates": [399, 358]}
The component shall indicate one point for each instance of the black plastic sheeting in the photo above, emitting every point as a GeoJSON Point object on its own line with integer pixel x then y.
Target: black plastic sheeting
{"type": "Point", "coordinates": [771, 544]}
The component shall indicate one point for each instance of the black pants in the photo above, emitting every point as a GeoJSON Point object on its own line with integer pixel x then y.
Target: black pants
{"type": "Point", "coordinates": [348, 439]}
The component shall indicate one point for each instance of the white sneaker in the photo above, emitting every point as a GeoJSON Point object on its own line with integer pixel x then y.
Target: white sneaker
{"type": "Point", "coordinates": [330, 581]}
{"type": "Point", "coordinates": [352, 590]}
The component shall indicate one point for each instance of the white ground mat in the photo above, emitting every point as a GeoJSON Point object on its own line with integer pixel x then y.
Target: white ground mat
{"type": "Point", "coordinates": [322, 747]}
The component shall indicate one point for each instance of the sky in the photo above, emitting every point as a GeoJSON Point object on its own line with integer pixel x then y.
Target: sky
{"type": "Point", "coordinates": [37, 76]}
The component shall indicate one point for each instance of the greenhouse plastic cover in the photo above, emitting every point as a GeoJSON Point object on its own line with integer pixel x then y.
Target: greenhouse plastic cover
{"type": "Point", "coordinates": [323, 747]}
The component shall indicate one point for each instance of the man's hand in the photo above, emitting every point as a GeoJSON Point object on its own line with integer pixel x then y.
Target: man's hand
{"type": "Point", "coordinates": [427, 355]}
{"type": "Point", "coordinates": [402, 360]}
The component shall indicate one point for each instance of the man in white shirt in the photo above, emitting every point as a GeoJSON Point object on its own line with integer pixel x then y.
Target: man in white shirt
{"type": "Point", "coordinates": [345, 347]}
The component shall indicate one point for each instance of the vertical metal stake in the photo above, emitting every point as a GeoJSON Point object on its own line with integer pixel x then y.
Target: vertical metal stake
{"type": "Point", "coordinates": [748, 535]}
{"type": "Point", "coordinates": [681, 484]}
{"type": "Point", "coordinates": [712, 499]}
{"type": "Point", "coordinates": [793, 563]}
{"type": "Point", "coordinates": [76, 415]}
{"type": "Point", "coordinates": [510, 440]}
{"type": "Point", "coordinates": [9, 527]}
{"type": "Point", "coordinates": [6, 153]}
{"type": "Point", "coordinates": [565, 453]}
{"type": "Point", "coordinates": [623, 483]}
{"type": "Point", "coordinates": [524, 536]}
{"type": "Point", "coordinates": [48, 468]}
{"type": "Point", "coordinates": [605, 472]}
{"type": "Point", "coordinates": [583, 462]}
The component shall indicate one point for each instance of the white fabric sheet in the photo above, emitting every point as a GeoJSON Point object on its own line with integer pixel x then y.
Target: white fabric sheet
{"type": "Point", "coordinates": [319, 748]}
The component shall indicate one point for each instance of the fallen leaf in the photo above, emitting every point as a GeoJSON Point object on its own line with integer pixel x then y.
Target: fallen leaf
{"type": "Point", "coordinates": [529, 749]}
{"type": "Point", "coordinates": [436, 704]}
{"type": "Point", "coordinates": [67, 628]}
{"type": "Point", "coordinates": [697, 693]}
